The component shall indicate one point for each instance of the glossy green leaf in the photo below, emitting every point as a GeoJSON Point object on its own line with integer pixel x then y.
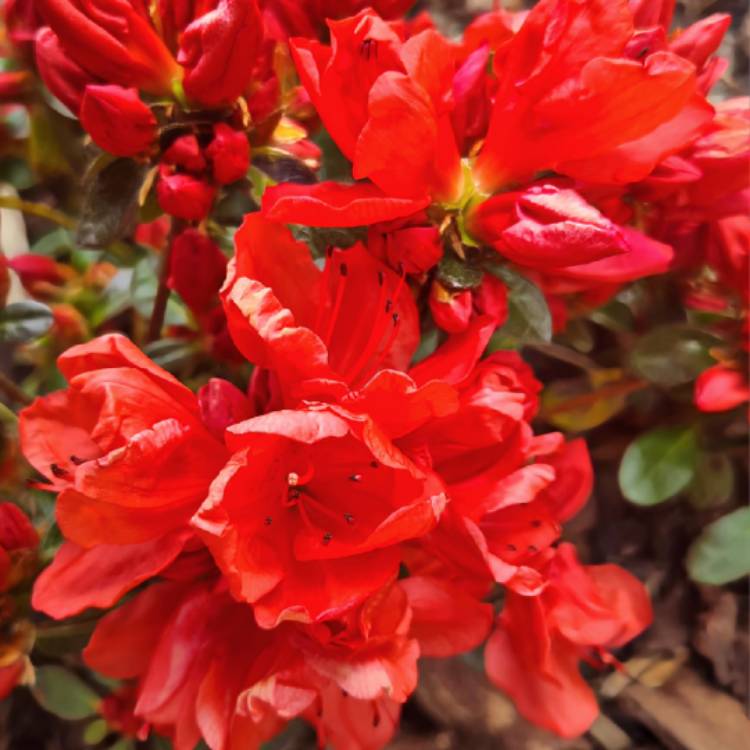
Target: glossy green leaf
{"type": "Point", "coordinates": [110, 207]}
{"type": "Point", "coordinates": [529, 318]}
{"type": "Point", "coordinates": [672, 355]}
{"type": "Point", "coordinates": [64, 694]}
{"type": "Point", "coordinates": [721, 554]}
{"type": "Point", "coordinates": [24, 321]}
{"type": "Point", "coordinates": [658, 465]}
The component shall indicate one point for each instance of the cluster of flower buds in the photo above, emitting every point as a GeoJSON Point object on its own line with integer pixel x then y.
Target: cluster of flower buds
{"type": "Point", "coordinates": [291, 546]}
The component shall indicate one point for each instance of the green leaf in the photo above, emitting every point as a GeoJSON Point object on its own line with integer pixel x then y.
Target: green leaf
{"type": "Point", "coordinates": [673, 354]}
{"type": "Point", "coordinates": [529, 318]}
{"type": "Point", "coordinates": [455, 273]}
{"type": "Point", "coordinates": [320, 238]}
{"type": "Point", "coordinates": [24, 321]}
{"type": "Point", "coordinates": [110, 205]}
{"type": "Point", "coordinates": [658, 465]}
{"type": "Point", "coordinates": [721, 554]}
{"type": "Point", "coordinates": [95, 732]}
{"type": "Point", "coordinates": [281, 166]}
{"type": "Point", "coordinates": [64, 694]}
{"type": "Point", "coordinates": [143, 288]}
{"type": "Point", "coordinates": [173, 354]}
{"type": "Point", "coordinates": [114, 300]}
{"type": "Point", "coordinates": [713, 484]}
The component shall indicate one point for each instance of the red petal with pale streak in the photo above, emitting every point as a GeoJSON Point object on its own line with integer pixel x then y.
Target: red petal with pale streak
{"type": "Point", "coordinates": [181, 464]}
{"type": "Point", "coordinates": [445, 620]}
{"type": "Point", "coordinates": [268, 335]}
{"type": "Point", "coordinates": [79, 578]}
{"type": "Point", "coordinates": [267, 252]}
{"type": "Point", "coordinates": [330, 204]}
{"type": "Point", "coordinates": [115, 350]}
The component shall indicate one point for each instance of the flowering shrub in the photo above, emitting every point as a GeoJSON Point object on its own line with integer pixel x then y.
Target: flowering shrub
{"type": "Point", "coordinates": [286, 435]}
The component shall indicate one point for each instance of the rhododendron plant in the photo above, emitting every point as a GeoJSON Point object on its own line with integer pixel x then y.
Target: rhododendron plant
{"type": "Point", "coordinates": [315, 312]}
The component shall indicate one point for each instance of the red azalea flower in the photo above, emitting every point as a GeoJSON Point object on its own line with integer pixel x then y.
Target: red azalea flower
{"type": "Point", "coordinates": [333, 498]}
{"type": "Point", "coordinates": [568, 100]}
{"type": "Point", "coordinates": [132, 461]}
{"type": "Point", "coordinates": [305, 324]}
{"type": "Point", "coordinates": [203, 667]}
{"type": "Point", "coordinates": [583, 612]}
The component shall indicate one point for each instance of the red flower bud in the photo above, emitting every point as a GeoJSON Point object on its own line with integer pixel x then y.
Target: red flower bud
{"type": "Point", "coordinates": [451, 311]}
{"type": "Point", "coordinates": [185, 152]}
{"type": "Point", "coordinates": [34, 269]}
{"type": "Point", "coordinates": [14, 84]}
{"type": "Point", "coordinates": [229, 153]}
{"type": "Point", "coordinates": [218, 51]}
{"type": "Point", "coordinates": [63, 77]}
{"type": "Point", "coordinates": [197, 270]}
{"type": "Point", "coordinates": [16, 531]}
{"type": "Point", "coordinates": [117, 120]}
{"type": "Point", "coordinates": [184, 196]}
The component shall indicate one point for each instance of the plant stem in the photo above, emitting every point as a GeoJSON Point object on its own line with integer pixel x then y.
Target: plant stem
{"type": "Point", "coordinates": [13, 392]}
{"type": "Point", "coordinates": [37, 209]}
{"type": "Point", "coordinates": [162, 293]}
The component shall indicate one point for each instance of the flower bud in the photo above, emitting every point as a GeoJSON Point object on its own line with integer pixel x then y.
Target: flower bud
{"type": "Point", "coordinates": [218, 50]}
{"type": "Point", "coordinates": [197, 269]}
{"type": "Point", "coordinates": [184, 196]}
{"type": "Point", "coordinates": [229, 153]}
{"type": "Point", "coordinates": [451, 311]}
{"type": "Point", "coordinates": [185, 152]}
{"type": "Point", "coordinates": [117, 120]}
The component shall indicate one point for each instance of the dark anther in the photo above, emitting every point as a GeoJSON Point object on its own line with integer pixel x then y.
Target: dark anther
{"type": "Point", "coordinates": [294, 494]}
{"type": "Point", "coordinates": [369, 49]}
{"type": "Point", "coordinates": [268, 520]}
{"type": "Point", "coordinates": [327, 537]}
{"type": "Point", "coordinates": [536, 523]}
{"type": "Point", "coordinates": [320, 711]}
{"type": "Point", "coordinates": [77, 461]}
{"type": "Point", "coordinates": [355, 478]}
{"type": "Point", "coordinates": [395, 319]}
{"type": "Point", "coordinates": [348, 517]}
{"type": "Point", "coordinates": [533, 548]}
{"type": "Point", "coordinates": [344, 269]}
{"type": "Point", "coordinates": [511, 547]}
{"type": "Point", "coordinates": [388, 305]}
{"type": "Point", "coordinates": [329, 251]}
{"type": "Point", "coordinates": [381, 278]}
{"type": "Point", "coordinates": [376, 720]}
{"type": "Point", "coordinates": [374, 464]}
{"type": "Point", "coordinates": [58, 471]}
{"type": "Point", "coordinates": [344, 693]}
